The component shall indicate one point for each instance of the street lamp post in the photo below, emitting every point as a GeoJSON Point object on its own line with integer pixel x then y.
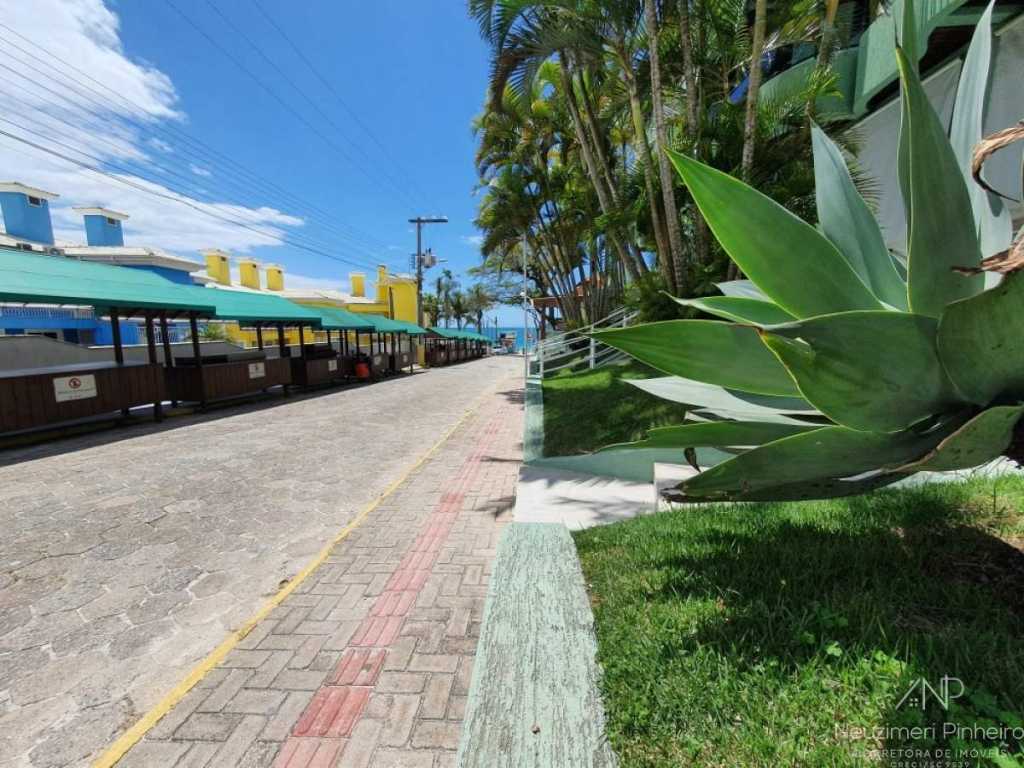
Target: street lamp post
{"type": "Point", "coordinates": [526, 313]}
{"type": "Point", "coordinates": [419, 221]}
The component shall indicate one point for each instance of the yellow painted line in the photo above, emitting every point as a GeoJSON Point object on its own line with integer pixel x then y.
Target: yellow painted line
{"type": "Point", "coordinates": [129, 738]}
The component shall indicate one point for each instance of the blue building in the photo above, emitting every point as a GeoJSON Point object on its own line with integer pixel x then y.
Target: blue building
{"type": "Point", "coordinates": [28, 226]}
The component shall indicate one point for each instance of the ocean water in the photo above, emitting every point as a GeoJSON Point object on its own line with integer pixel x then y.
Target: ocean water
{"type": "Point", "coordinates": [495, 333]}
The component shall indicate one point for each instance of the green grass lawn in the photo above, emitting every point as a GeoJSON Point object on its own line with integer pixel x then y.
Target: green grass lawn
{"type": "Point", "coordinates": [614, 411]}
{"type": "Point", "coordinates": [769, 634]}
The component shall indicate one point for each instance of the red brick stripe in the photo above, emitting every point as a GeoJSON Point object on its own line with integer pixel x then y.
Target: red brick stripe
{"type": "Point", "coordinates": [321, 732]}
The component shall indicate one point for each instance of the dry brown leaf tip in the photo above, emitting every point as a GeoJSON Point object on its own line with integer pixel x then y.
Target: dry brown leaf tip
{"type": "Point", "coordinates": [1004, 262]}
{"type": "Point", "coordinates": [989, 146]}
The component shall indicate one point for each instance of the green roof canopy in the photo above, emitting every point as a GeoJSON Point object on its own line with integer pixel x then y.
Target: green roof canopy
{"type": "Point", "coordinates": [444, 333]}
{"type": "Point", "coordinates": [44, 279]}
{"type": "Point", "coordinates": [383, 324]}
{"type": "Point", "coordinates": [249, 306]}
{"type": "Point", "coordinates": [452, 333]}
{"type": "Point", "coordinates": [341, 319]}
{"type": "Point", "coordinates": [411, 328]}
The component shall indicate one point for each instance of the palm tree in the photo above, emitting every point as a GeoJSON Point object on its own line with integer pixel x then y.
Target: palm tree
{"type": "Point", "coordinates": [458, 307]}
{"type": "Point", "coordinates": [668, 177]}
{"type": "Point", "coordinates": [431, 308]}
{"type": "Point", "coordinates": [478, 301]}
{"type": "Point", "coordinates": [578, 118]}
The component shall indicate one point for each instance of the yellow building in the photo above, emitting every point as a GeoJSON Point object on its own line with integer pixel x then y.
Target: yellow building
{"type": "Point", "coordinates": [394, 295]}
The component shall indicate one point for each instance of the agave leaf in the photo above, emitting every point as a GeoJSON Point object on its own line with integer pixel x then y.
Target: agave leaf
{"type": "Point", "coordinates": [980, 345]}
{"type": "Point", "coordinates": [742, 310]}
{"type": "Point", "coordinates": [827, 488]}
{"type": "Point", "coordinates": [977, 442]}
{"type": "Point", "coordinates": [940, 222]}
{"type": "Point", "coordinates": [876, 371]}
{"type": "Point", "coordinates": [711, 351]}
{"type": "Point", "coordinates": [823, 454]}
{"type": "Point", "coordinates": [714, 434]}
{"type": "Point", "coordinates": [994, 224]}
{"type": "Point", "coordinates": [787, 258]}
{"type": "Point", "coordinates": [721, 402]}
{"type": "Point", "coordinates": [743, 289]}
{"type": "Point", "coordinates": [848, 222]}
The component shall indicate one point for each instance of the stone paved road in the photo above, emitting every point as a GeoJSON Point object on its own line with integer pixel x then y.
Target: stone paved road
{"type": "Point", "coordinates": [127, 556]}
{"type": "Point", "coordinates": [368, 662]}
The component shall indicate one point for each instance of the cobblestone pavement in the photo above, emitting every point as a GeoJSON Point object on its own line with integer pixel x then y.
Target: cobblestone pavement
{"type": "Point", "coordinates": [128, 556]}
{"type": "Point", "coordinates": [368, 663]}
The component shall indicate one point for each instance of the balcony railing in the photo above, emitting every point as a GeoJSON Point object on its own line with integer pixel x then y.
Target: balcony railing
{"type": "Point", "coordinates": [21, 312]}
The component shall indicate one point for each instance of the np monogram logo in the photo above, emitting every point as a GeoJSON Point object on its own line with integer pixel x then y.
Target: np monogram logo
{"type": "Point", "coordinates": [921, 692]}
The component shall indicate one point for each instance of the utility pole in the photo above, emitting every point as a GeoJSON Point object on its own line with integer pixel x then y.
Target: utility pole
{"type": "Point", "coordinates": [419, 221]}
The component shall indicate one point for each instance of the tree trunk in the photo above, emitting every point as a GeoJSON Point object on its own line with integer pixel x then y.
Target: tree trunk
{"type": "Point", "coordinates": [668, 193]}
{"type": "Point", "coordinates": [605, 165]}
{"type": "Point", "coordinates": [647, 165]}
{"type": "Point", "coordinates": [592, 170]}
{"type": "Point", "coordinates": [596, 137]}
{"type": "Point", "coordinates": [753, 90]}
{"type": "Point", "coordinates": [694, 111]}
{"type": "Point", "coordinates": [828, 29]}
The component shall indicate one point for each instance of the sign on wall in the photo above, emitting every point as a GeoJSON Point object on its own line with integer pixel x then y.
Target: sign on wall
{"type": "Point", "coordinates": [74, 388]}
{"type": "Point", "coordinates": [257, 370]}
{"type": "Point", "coordinates": [332, 365]}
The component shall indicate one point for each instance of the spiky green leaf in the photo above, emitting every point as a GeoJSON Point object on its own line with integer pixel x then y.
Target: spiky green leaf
{"type": "Point", "coordinates": [824, 454]}
{"type": "Point", "coordinates": [715, 401]}
{"type": "Point", "coordinates": [980, 342]}
{"type": "Point", "coordinates": [711, 351]}
{"type": "Point", "coordinates": [848, 222]}
{"type": "Point", "coordinates": [714, 434]}
{"type": "Point", "coordinates": [941, 233]}
{"type": "Point", "coordinates": [825, 488]}
{"type": "Point", "coordinates": [743, 289]}
{"type": "Point", "coordinates": [994, 223]}
{"type": "Point", "coordinates": [742, 310]}
{"type": "Point", "coordinates": [977, 442]}
{"type": "Point", "coordinates": [877, 371]}
{"type": "Point", "coordinates": [787, 258]}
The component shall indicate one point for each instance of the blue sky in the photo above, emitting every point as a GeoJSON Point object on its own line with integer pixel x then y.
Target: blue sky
{"type": "Point", "coordinates": [414, 73]}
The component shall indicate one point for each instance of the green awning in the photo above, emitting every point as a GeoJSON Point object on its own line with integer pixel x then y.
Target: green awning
{"type": "Point", "coordinates": [42, 279]}
{"type": "Point", "coordinates": [444, 333]}
{"type": "Point", "coordinates": [383, 324]}
{"type": "Point", "coordinates": [453, 333]}
{"type": "Point", "coordinates": [411, 328]}
{"type": "Point", "coordinates": [333, 318]}
{"type": "Point", "coordinates": [252, 307]}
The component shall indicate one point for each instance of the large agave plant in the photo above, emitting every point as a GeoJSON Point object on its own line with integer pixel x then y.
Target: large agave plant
{"type": "Point", "coordinates": [839, 368]}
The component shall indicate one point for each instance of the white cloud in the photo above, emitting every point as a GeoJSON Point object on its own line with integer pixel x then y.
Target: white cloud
{"type": "Point", "coordinates": [100, 129]}
{"type": "Point", "coordinates": [475, 240]}
{"type": "Point", "coordinates": [160, 144]}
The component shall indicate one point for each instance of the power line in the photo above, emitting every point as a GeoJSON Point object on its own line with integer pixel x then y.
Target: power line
{"type": "Point", "coordinates": [174, 198]}
{"type": "Point", "coordinates": [271, 92]}
{"type": "Point", "coordinates": [297, 241]}
{"type": "Point", "coordinates": [247, 177]}
{"type": "Point", "coordinates": [37, 125]}
{"type": "Point", "coordinates": [90, 113]}
{"type": "Point", "coordinates": [327, 84]}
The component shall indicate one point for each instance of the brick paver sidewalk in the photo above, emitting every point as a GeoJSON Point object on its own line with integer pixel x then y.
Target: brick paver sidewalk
{"type": "Point", "coordinates": [368, 662]}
